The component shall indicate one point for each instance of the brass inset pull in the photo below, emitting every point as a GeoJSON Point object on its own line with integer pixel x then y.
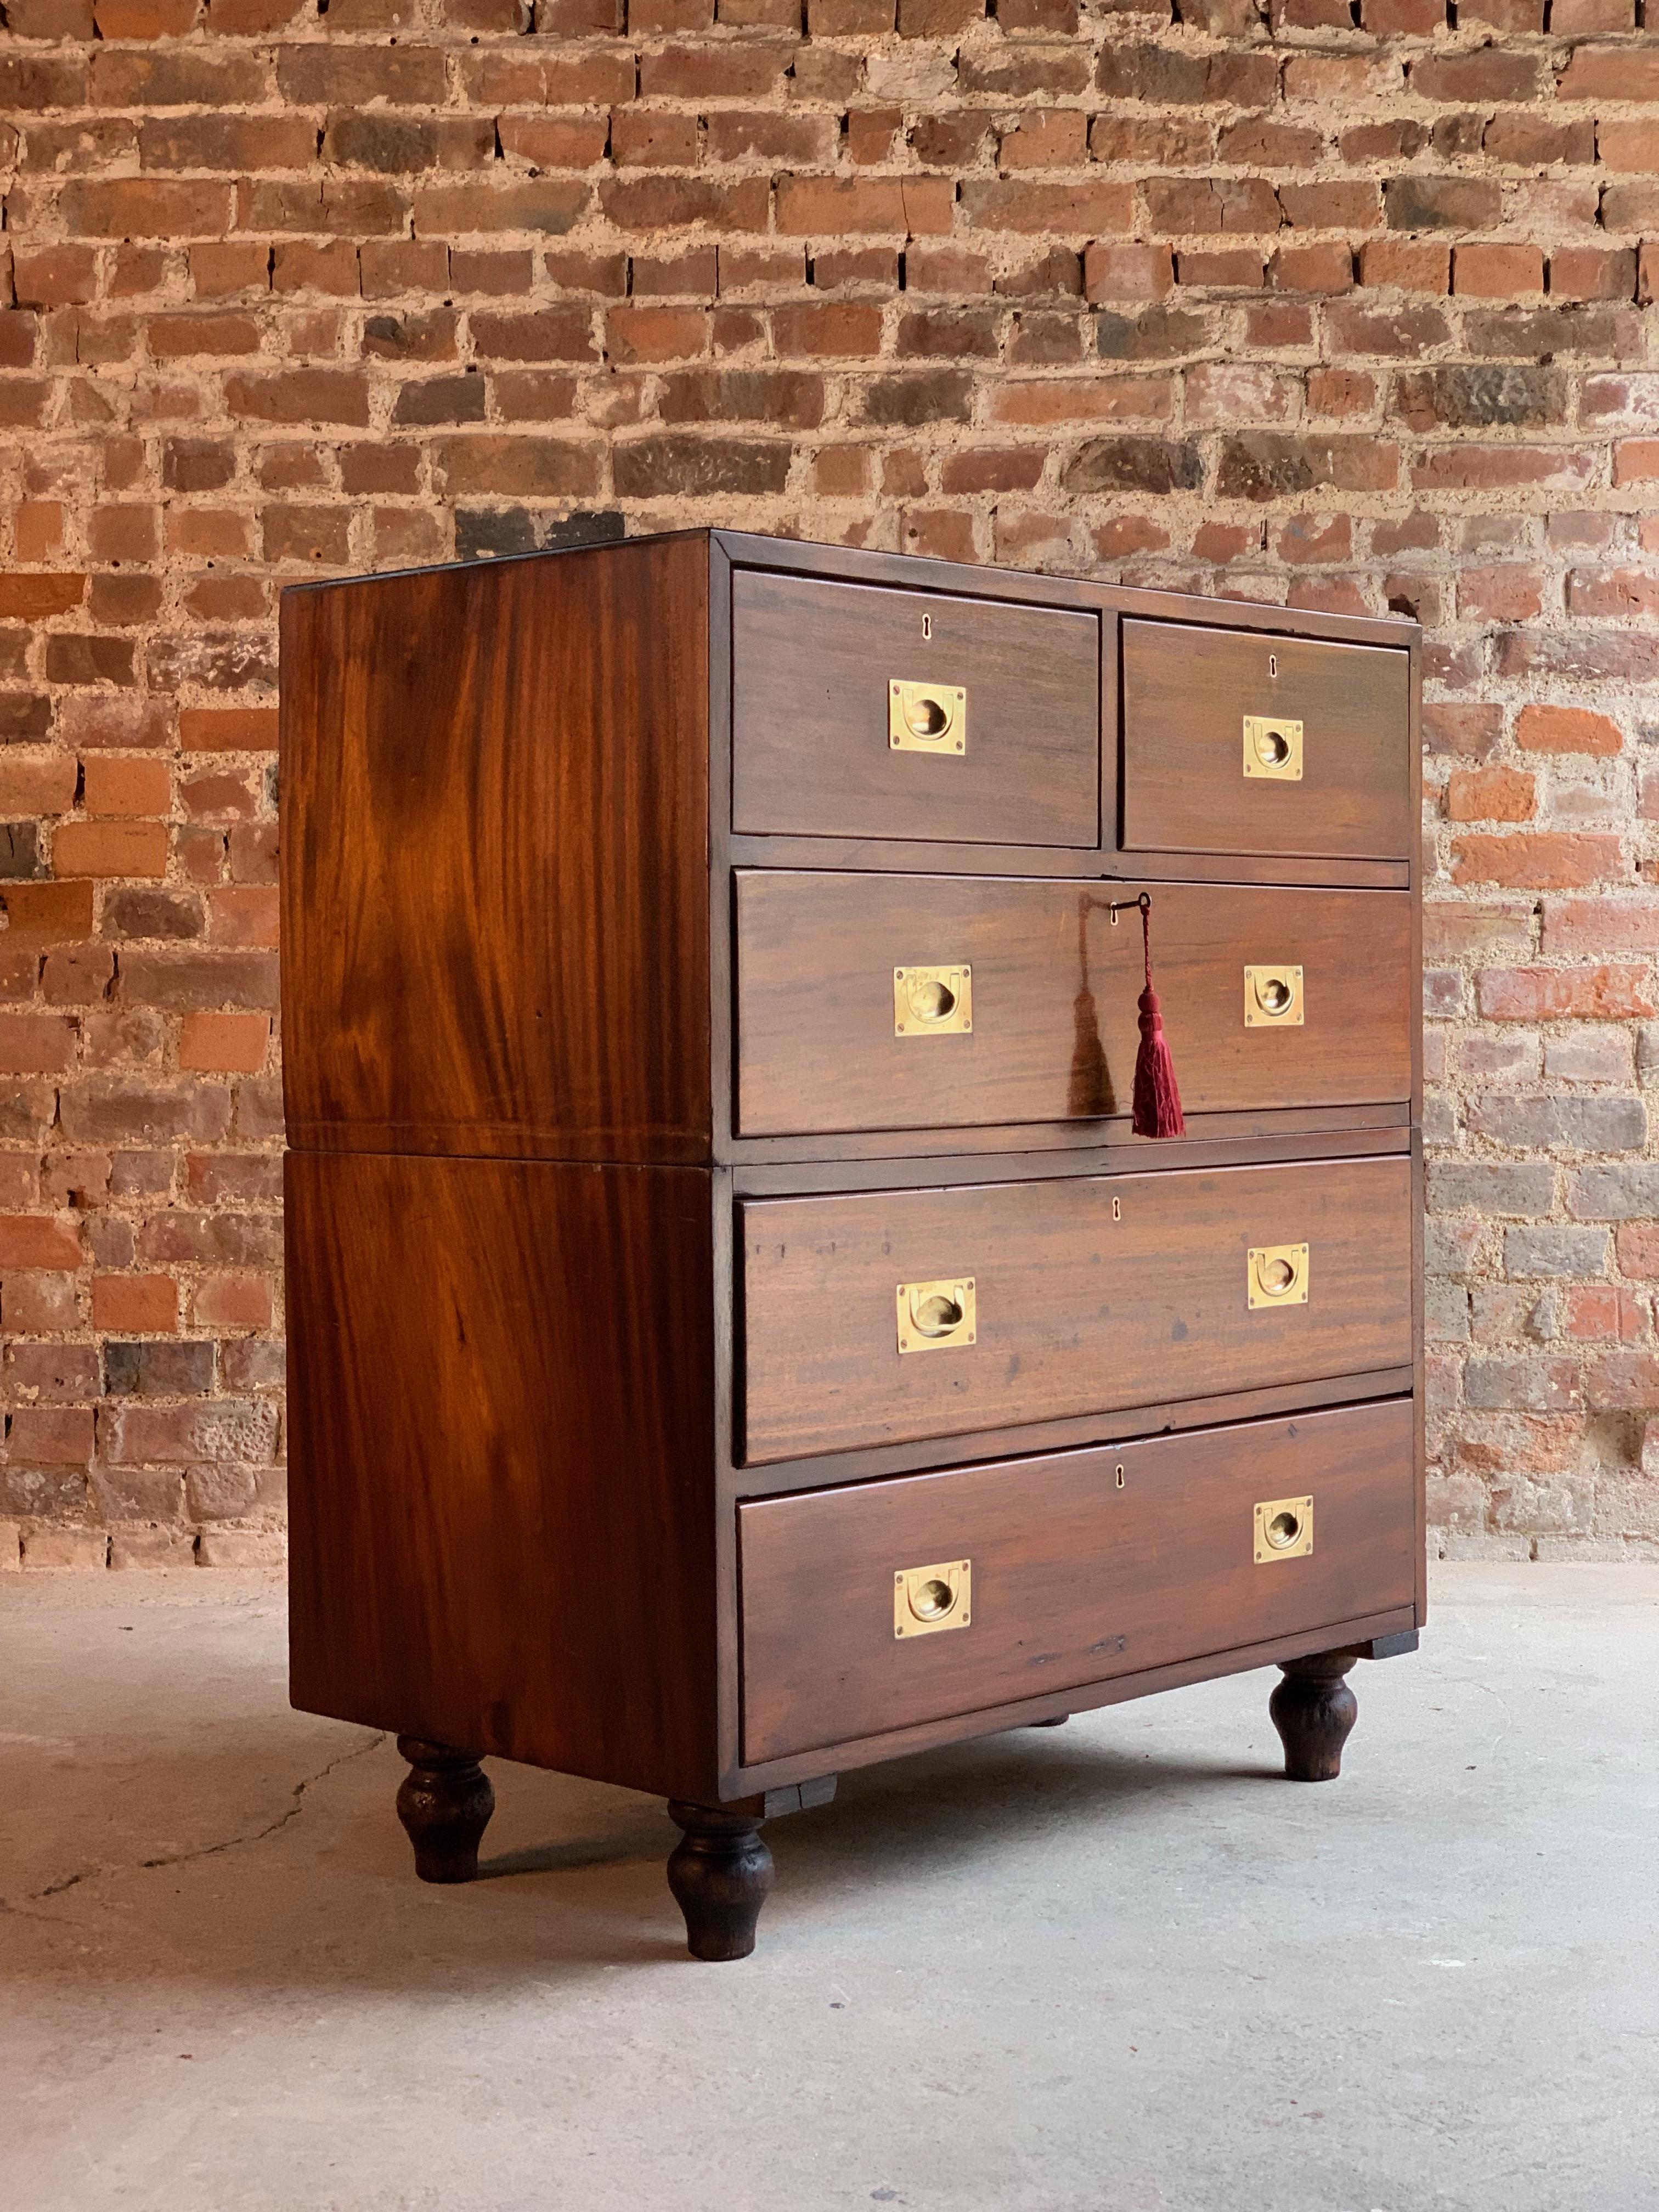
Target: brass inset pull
{"type": "Point", "coordinates": [928, 1599]}
{"type": "Point", "coordinates": [932, 1001]}
{"type": "Point", "coordinates": [926, 718]}
{"type": "Point", "coordinates": [1283, 1529]}
{"type": "Point", "coordinates": [1272, 997]}
{"type": "Point", "coordinates": [1272, 747]}
{"type": "Point", "coordinates": [1277, 1275]}
{"type": "Point", "coordinates": [936, 1316]}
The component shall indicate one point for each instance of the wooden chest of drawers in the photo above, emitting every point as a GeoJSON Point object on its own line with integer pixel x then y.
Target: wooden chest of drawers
{"type": "Point", "coordinates": [735, 1334]}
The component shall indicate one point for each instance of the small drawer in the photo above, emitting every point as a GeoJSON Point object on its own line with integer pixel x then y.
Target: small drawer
{"type": "Point", "coordinates": [848, 1018]}
{"type": "Point", "coordinates": [1052, 1573]}
{"type": "Point", "coordinates": [858, 712]}
{"type": "Point", "coordinates": [1092, 1294]}
{"type": "Point", "coordinates": [1239, 741]}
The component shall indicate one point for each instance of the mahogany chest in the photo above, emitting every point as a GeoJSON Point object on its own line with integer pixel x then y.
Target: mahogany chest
{"type": "Point", "coordinates": [735, 1334]}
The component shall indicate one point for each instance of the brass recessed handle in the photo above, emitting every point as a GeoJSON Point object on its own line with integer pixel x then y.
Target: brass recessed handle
{"type": "Point", "coordinates": [1276, 1275]}
{"type": "Point", "coordinates": [933, 1001]}
{"type": "Point", "coordinates": [926, 1600]}
{"type": "Point", "coordinates": [926, 718]}
{"type": "Point", "coordinates": [1283, 1529]}
{"type": "Point", "coordinates": [1272, 747]}
{"type": "Point", "coordinates": [936, 1316]}
{"type": "Point", "coordinates": [1272, 997]}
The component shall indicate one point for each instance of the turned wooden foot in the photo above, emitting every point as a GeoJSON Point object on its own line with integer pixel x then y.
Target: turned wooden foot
{"type": "Point", "coordinates": [1313, 1709]}
{"type": "Point", "coordinates": [719, 1873]}
{"type": "Point", "coordinates": [445, 1804]}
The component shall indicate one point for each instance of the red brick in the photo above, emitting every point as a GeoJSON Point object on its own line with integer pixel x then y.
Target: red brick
{"type": "Point", "coordinates": [236, 1043]}
{"type": "Point", "coordinates": [830, 206]}
{"type": "Point", "coordinates": [135, 1306]}
{"type": "Point", "coordinates": [1491, 794]}
{"type": "Point", "coordinates": [1537, 859]}
{"type": "Point", "coordinates": [1539, 994]}
{"type": "Point", "coordinates": [1546, 729]}
{"type": "Point", "coordinates": [114, 784]}
{"type": "Point", "coordinates": [38, 1240]}
{"type": "Point", "coordinates": [29, 597]}
{"type": "Point", "coordinates": [232, 1301]}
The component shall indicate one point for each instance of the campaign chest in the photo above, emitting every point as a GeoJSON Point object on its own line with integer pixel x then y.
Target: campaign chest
{"type": "Point", "coordinates": [735, 1334]}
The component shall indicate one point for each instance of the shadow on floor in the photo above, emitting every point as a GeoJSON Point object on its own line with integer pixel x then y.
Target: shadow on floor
{"type": "Point", "coordinates": [326, 1898]}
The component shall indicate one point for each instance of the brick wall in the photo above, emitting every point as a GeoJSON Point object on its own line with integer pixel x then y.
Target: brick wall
{"type": "Point", "coordinates": [1343, 305]}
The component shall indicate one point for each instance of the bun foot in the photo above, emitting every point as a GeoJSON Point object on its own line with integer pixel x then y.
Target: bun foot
{"type": "Point", "coordinates": [721, 1873]}
{"type": "Point", "coordinates": [1314, 1709]}
{"type": "Point", "coordinates": [445, 1803]}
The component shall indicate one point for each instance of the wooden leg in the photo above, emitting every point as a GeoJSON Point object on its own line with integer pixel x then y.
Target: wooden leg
{"type": "Point", "coordinates": [445, 1804]}
{"type": "Point", "coordinates": [721, 1872]}
{"type": "Point", "coordinates": [1313, 1709]}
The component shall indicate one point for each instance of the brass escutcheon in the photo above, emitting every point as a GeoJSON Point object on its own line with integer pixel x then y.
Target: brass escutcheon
{"type": "Point", "coordinates": [1272, 747]}
{"type": "Point", "coordinates": [928, 1599]}
{"type": "Point", "coordinates": [1283, 1529]}
{"type": "Point", "coordinates": [926, 718]}
{"type": "Point", "coordinates": [936, 1316]}
{"type": "Point", "coordinates": [1272, 997]}
{"type": "Point", "coordinates": [932, 1001]}
{"type": "Point", "coordinates": [1277, 1275]}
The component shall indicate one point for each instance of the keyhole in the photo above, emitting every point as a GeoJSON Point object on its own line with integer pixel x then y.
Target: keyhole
{"type": "Point", "coordinates": [927, 625]}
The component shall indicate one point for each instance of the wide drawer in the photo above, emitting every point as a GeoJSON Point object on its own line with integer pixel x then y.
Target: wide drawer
{"type": "Point", "coordinates": [1239, 741]}
{"type": "Point", "coordinates": [1081, 1566]}
{"type": "Point", "coordinates": [1090, 1294]}
{"type": "Point", "coordinates": [847, 1018]}
{"type": "Point", "coordinates": [858, 712]}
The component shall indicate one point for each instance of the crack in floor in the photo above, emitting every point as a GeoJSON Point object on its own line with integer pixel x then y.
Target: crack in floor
{"type": "Point", "coordinates": [226, 1843]}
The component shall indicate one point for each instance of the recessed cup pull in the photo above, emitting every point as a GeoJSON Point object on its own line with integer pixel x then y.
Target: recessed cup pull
{"type": "Point", "coordinates": [1272, 747]}
{"type": "Point", "coordinates": [928, 1600]}
{"type": "Point", "coordinates": [926, 718]}
{"type": "Point", "coordinates": [1276, 1275]}
{"type": "Point", "coordinates": [933, 1001]}
{"type": "Point", "coordinates": [936, 1316]}
{"type": "Point", "coordinates": [1273, 997]}
{"type": "Point", "coordinates": [1283, 1529]}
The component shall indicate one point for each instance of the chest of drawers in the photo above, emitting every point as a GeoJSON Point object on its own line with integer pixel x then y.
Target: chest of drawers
{"type": "Point", "coordinates": [735, 1334]}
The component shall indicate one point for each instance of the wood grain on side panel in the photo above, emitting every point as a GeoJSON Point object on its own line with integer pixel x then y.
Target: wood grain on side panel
{"type": "Point", "coordinates": [1054, 990]}
{"type": "Point", "coordinates": [1073, 1579]}
{"type": "Point", "coordinates": [502, 1454]}
{"type": "Point", "coordinates": [494, 801]}
{"type": "Point", "coordinates": [1092, 1294]}
{"type": "Point", "coordinates": [810, 667]}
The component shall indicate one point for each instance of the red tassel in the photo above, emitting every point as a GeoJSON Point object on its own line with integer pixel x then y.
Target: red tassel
{"type": "Point", "coordinates": [1157, 1096]}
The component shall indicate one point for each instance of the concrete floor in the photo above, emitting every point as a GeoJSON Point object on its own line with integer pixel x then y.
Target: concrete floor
{"type": "Point", "coordinates": [1116, 1966]}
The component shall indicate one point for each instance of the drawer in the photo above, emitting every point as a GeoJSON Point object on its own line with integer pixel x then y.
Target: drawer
{"type": "Point", "coordinates": [1051, 1000]}
{"type": "Point", "coordinates": [1072, 1579]}
{"type": "Point", "coordinates": [1015, 691]}
{"type": "Point", "coordinates": [1197, 779]}
{"type": "Point", "coordinates": [1090, 1294]}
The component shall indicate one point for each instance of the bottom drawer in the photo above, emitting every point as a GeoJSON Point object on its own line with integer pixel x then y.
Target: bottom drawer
{"type": "Point", "coordinates": [1071, 1578]}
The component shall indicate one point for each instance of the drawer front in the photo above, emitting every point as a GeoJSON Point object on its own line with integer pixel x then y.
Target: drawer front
{"type": "Point", "coordinates": [1072, 1580]}
{"type": "Point", "coordinates": [1343, 790]}
{"type": "Point", "coordinates": [1090, 1294]}
{"type": "Point", "coordinates": [1051, 996]}
{"type": "Point", "coordinates": [812, 753]}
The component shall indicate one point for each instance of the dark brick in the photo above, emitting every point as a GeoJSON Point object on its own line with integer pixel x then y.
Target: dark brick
{"type": "Point", "coordinates": [150, 1369]}
{"type": "Point", "coordinates": [1153, 464]}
